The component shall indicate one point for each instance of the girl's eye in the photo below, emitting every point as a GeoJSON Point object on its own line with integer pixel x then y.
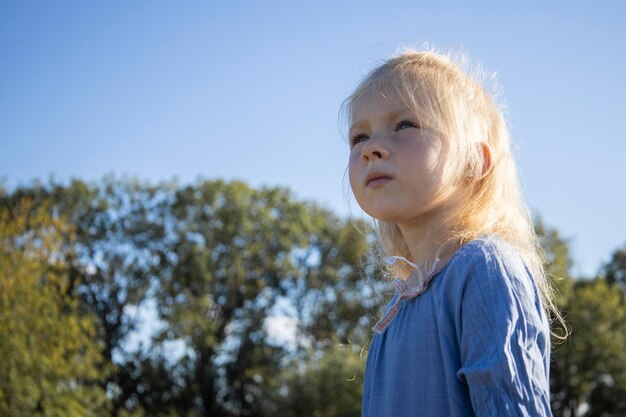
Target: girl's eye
{"type": "Point", "coordinates": [356, 139]}
{"type": "Point", "coordinates": [405, 124]}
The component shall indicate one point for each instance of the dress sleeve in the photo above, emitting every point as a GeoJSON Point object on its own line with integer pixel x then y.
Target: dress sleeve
{"type": "Point", "coordinates": [504, 338]}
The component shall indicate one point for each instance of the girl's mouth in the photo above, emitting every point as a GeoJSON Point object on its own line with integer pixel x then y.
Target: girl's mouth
{"type": "Point", "coordinates": [378, 182]}
{"type": "Point", "coordinates": [376, 179]}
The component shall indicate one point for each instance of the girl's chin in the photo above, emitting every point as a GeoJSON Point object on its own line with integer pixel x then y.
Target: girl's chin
{"type": "Point", "coordinates": [385, 210]}
{"type": "Point", "coordinates": [386, 216]}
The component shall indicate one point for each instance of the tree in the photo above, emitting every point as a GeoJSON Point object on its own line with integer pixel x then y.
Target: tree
{"type": "Point", "coordinates": [112, 256]}
{"type": "Point", "coordinates": [50, 364]}
{"type": "Point", "coordinates": [217, 259]}
{"type": "Point", "coordinates": [608, 395]}
{"type": "Point", "coordinates": [591, 365]}
{"type": "Point", "coordinates": [615, 270]}
{"type": "Point", "coordinates": [558, 261]}
{"type": "Point", "coordinates": [588, 374]}
{"type": "Point", "coordinates": [240, 253]}
{"type": "Point", "coordinates": [328, 384]}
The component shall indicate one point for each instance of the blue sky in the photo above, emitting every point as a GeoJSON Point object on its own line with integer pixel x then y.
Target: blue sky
{"type": "Point", "coordinates": [251, 91]}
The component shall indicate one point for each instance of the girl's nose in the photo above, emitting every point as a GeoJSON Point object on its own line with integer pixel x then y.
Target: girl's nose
{"type": "Point", "coordinates": [372, 150]}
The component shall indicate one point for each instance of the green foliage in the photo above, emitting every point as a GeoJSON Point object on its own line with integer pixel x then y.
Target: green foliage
{"type": "Point", "coordinates": [327, 384]}
{"type": "Point", "coordinates": [588, 374]}
{"type": "Point", "coordinates": [50, 364]}
{"type": "Point", "coordinates": [239, 252]}
{"type": "Point", "coordinates": [615, 270]}
{"type": "Point", "coordinates": [117, 247]}
{"type": "Point", "coordinates": [558, 261]}
{"type": "Point", "coordinates": [219, 261]}
{"type": "Point", "coordinates": [591, 364]}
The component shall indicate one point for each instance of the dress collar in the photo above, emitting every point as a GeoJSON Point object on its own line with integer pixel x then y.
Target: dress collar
{"type": "Point", "coordinates": [414, 285]}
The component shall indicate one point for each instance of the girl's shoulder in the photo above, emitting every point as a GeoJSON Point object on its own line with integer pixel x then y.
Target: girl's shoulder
{"type": "Point", "coordinates": [487, 261]}
{"type": "Point", "coordinates": [487, 279]}
{"type": "Point", "coordinates": [487, 250]}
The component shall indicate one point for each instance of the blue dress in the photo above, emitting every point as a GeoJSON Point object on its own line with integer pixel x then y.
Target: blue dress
{"type": "Point", "coordinates": [475, 343]}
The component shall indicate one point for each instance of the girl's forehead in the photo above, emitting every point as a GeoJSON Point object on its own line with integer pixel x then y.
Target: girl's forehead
{"type": "Point", "coordinates": [378, 100]}
{"type": "Point", "coordinates": [384, 96]}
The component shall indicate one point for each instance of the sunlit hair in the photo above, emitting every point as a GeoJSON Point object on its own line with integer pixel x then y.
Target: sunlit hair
{"type": "Point", "coordinates": [448, 100]}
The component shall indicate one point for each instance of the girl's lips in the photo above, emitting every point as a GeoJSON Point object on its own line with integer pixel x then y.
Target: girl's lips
{"type": "Point", "coordinates": [378, 182]}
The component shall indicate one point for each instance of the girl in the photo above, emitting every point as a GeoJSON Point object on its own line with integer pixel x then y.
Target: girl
{"type": "Point", "coordinates": [466, 333]}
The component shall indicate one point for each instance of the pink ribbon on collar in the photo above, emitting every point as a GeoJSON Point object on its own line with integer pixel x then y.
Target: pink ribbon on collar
{"type": "Point", "coordinates": [408, 289]}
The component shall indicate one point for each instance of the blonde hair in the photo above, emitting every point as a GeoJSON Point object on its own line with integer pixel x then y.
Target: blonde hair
{"type": "Point", "coordinates": [446, 99]}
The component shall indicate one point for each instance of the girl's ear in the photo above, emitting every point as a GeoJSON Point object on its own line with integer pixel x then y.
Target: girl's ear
{"type": "Point", "coordinates": [486, 151]}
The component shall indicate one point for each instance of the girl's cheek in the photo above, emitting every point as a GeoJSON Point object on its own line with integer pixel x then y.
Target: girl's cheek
{"type": "Point", "coordinates": [352, 173]}
{"type": "Point", "coordinates": [353, 161]}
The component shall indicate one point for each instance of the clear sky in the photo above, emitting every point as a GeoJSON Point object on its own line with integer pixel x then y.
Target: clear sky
{"type": "Point", "coordinates": [250, 90]}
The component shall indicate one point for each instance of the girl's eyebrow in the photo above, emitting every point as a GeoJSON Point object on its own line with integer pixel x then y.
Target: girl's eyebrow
{"type": "Point", "coordinates": [387, 116]}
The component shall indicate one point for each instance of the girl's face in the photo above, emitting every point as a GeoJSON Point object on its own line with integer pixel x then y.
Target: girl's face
{"type": "Point", "coordinates": [396, 167]}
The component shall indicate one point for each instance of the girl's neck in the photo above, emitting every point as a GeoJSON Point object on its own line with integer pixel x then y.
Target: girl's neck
{"type": "Point", "coordinates": [426, 242]}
